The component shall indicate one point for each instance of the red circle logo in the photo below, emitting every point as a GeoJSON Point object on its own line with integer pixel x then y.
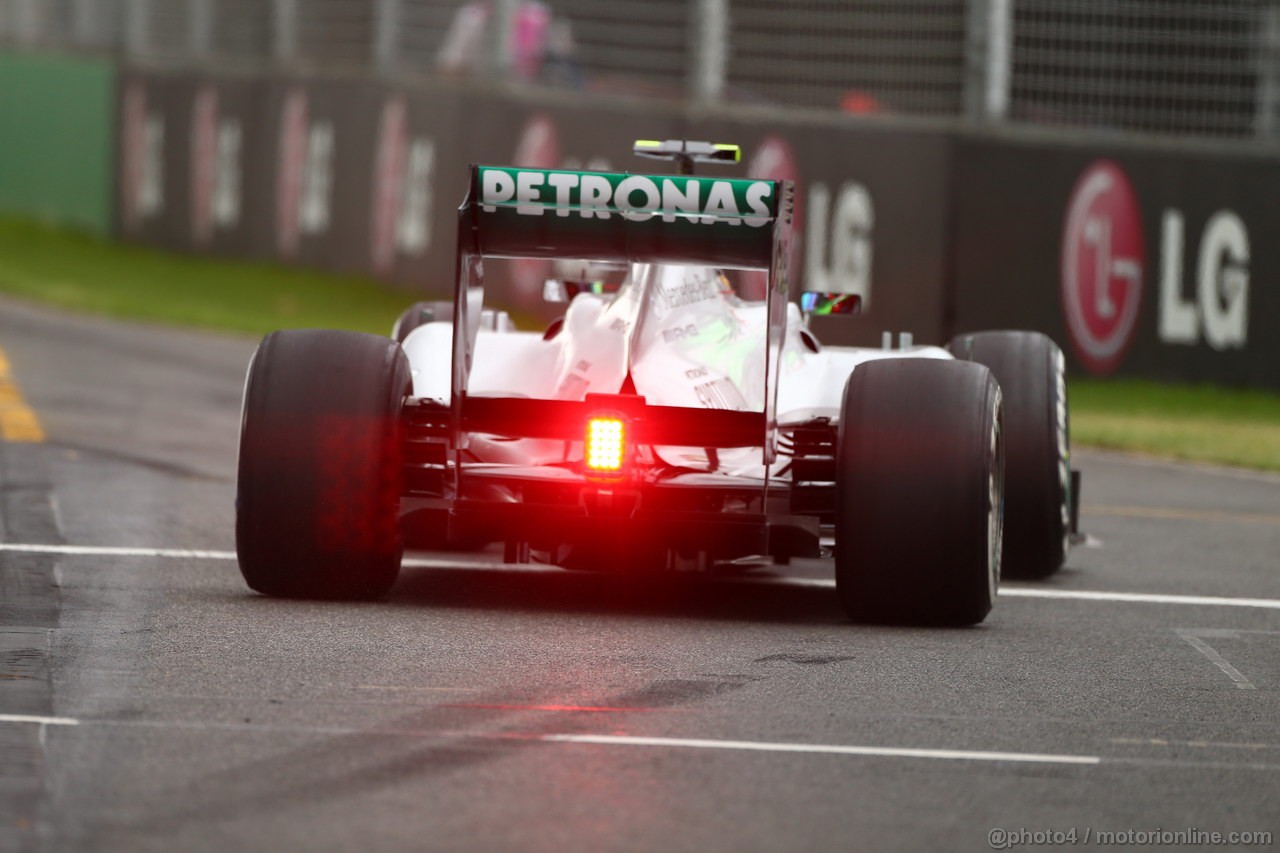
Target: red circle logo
{"type": "Point", "coordinates": [1103, 264]}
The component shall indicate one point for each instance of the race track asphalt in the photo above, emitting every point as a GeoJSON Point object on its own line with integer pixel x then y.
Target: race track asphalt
{"type": "Point", "coordinates": [150, 701]}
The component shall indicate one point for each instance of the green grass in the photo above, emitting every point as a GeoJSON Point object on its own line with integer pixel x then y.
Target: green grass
{"type": "Point", "coordinates": [86, 274]}
{"type": "Point", "coordinates": [1199, 423]}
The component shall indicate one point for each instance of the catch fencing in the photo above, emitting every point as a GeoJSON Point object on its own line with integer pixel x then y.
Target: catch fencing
{"type": "Point", "coordinates": [1180, 68]}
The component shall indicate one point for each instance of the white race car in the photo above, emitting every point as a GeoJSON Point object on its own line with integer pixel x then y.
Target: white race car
{"type": "Point", "coordinates": [662, 424]}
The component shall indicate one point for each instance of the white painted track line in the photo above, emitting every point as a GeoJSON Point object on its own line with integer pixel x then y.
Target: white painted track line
{"type": "Point", "coordinates": [108, 551]}
{"type": "Point", "coordinates": [37, 720]}
{"type": "Point", "coordinates": [1215, 658]}
{"type": "Point", "coordinates": [822, 583]}
{"type": "Point", "coordinates": [1082, 595]}
{"type": "Point", "coordinates": [740, 745]}
{"type": "Point", "coordinates": [670, 743]}
{"type": "Point", "coordinates": [1140, 597]}
{"type": "Point", "coordinates": [824, 749]}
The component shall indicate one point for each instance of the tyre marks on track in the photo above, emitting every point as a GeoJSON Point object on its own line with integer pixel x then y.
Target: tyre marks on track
{"type": "Point", "coordinates": [29, 604]}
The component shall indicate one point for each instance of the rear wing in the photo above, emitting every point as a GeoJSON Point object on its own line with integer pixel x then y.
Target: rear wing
{"type": "Point", "coordinates": [513, 212]}
{"type": "Point", "coordinates": [607, 216]}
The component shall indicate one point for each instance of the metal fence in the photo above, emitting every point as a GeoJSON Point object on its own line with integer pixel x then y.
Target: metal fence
{"type": "Point", "coordinates": [1203, 68]}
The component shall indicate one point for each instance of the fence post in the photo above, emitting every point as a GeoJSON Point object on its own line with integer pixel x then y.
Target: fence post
{"type": "Point", "coordinates": [502, 21]}
{"type": "Point", "coordinates": [1267, 117]}
{"type": "Point", "coordinates": [284, 33]}
{"type": "Point", "coordinates": [988, 59]}
{"type": "Point", "coordinates": [200, 27]}
{"type": "Point", "coordinates": [711, 49]}
{"type": "Point", "coordinates": [386, 30]}
{"type": "Point", "coordinates": [137, 35]}
{"type": "Point", "coordinates": [26, 20]}
{"type": "Point", "coordinates": [84, 23]}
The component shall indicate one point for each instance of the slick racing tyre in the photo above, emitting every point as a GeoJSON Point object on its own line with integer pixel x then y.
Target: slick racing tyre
{"type": "Point", "coordinates": [318, 492]}
{"type": "Point", "coordinates": [919, 492]}
{"type": "Point", "coordinates": [419, 314]}
{"type": "Point", "coordinates": [1032, 376]}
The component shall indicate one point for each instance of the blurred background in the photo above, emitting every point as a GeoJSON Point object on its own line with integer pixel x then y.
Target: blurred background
{"type": "Point", "coordinates": [1102, 170]}
{"type": "Point", "coordinates": [1182, 68]}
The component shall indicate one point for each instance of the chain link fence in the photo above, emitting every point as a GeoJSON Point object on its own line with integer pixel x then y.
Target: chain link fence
{"type": "Point", "coordinates": [890, 56]}
{"type": "Point", "coordinates": [1198, 68]}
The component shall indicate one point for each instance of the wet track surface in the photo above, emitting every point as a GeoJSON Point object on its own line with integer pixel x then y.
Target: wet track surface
{"type": "Point", "coordinates": [149, 701]}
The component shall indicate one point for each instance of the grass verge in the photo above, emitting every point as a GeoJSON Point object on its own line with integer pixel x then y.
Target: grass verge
{"type": "Point", "coordinates": [86, 274]}
{"type": "Point", "coordinates": [1196, 423]}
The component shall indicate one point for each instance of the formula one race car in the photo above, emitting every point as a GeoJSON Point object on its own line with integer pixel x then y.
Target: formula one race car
{"type": "Point", "coordinates": [662, 423]}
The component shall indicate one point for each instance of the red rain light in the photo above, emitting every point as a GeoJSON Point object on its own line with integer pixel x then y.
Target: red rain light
{"type": "Point", "coordinates": [605, 445]}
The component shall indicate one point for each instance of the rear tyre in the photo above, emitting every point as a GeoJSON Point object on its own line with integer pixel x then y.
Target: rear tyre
{"type": "Point", "coordinates": [1032, 375]}
{"type": "Point", "coordinates": [320, 475]}
{"type": "Point", "coordinates": [419, 314]}
{"type": "Point", "coordinates": [920, 462]}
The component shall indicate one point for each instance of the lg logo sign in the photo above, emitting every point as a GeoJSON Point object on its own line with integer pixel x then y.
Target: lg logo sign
{"type": "Point", "coordinates": [1220, 309]}
{"type": "Point", "coordinates": [1104, 263]}
{"type": "Point", "coordinates": [840, 263]}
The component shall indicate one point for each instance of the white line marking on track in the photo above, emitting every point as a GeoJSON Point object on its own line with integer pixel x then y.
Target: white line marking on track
{"type": "Point", "coordinates": [1199, 744]}
{"type": "Point", "coordinates": [698, 743]}
{"type": "Point", "coordinates": [38, 720]}
{"type": "Point", "coordinates": [1218, 660]}
{"type": "Point", "coordinates": [464, 563]}
{"type": "Point", "coordinates": [822, 583]}
{"type": "Point", "coordinates": [198, 554]}
{"type": "Point", "coordinates": [1139, 597]}
{"type": "Point", "coordinates": [824, 749]}
{"type": "Point", "coordinates": [1090, 595]}
{"type": "Point", "coordinates": [622, 740]}
{"type": "Point", "coordinates": [109, 551]}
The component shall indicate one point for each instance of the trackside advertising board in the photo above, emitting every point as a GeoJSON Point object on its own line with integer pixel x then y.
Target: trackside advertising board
{"type": "Point", "coordinates": [618, 216]}
{"type": "Point", "coordinates": [1140, 262]}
